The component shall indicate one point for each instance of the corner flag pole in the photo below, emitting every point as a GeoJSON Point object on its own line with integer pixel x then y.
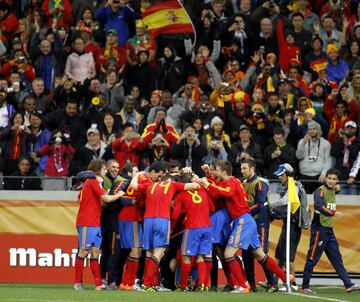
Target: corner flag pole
{"type": "Point", "coordinates": [288, 246]}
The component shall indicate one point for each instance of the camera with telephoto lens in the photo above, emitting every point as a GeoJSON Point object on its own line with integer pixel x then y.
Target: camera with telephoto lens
{"type": "Point", "coordinates": [346, 133]}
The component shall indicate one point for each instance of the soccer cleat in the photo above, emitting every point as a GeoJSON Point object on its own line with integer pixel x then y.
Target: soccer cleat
{"type": "Point", "coordinates": [272, 289]}
{"type": "Point", "coordinates": [202, 289]}
{"type": "Point", "coordinates": [122, 286]}
{"type": "Point", "coordinates": [226, 288]}
{"type": "Point", "coordinates": [78, 286]}
{"type": "Point", "coordinates": [263, 284]}
{"type": "Point", "coordinates": [113, 286]}
{"type": "Point", "coordinates": [161, 288]}
{"type": "Point", "coordinates": [307, 291]}
{"type": "Point", "coordinates": [100, 287]}
{"type": "Point", "coordinates": [133, 288]}
{"type": "Point", "coordinates": [294, 287]}
{"type": "Point", "coordinates": [352, 288]}
{"type": "Point", "coordinates": [213, 288]}
{"type": "Point", "coordinates": [147, 288]}
{"type": "Point", "coordinates": [179, 289]}
{"type": "Point", "coordinates": [239, 290]}
{"type": "Point", "coordinates": [253, 289]}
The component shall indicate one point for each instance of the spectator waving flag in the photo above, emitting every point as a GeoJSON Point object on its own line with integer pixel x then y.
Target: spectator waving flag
{"type": "Point", "coordinates": [293, 196]}
{"type": "Point", "coordinates": [167, 17]}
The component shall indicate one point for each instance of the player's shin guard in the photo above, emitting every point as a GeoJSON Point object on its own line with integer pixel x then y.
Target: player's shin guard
{"type": "Point", "coordinates": [272, 266]}
{"type": "Point", "coordinates": [154, 269]}
{"type": "Point", "coordinates": [201, 266]}
{"type": "Point", "coordinates": [79, 268]}
{"type": "Point", "coordinates": [130, 270]}
{"type": "Point", "coordinates": [184, 273]}
{"type": "Point", "coordinates": [235, 272]}
{"type": "Point", "coordinates": [208, 263]}
{"type": "Point", "coordinates": [95, 269]}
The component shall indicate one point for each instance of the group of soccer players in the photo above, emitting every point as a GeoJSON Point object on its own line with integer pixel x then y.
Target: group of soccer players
{"type": "Point", "coordinates": [218, 213]}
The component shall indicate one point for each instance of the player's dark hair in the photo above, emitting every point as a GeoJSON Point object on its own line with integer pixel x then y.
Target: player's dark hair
{"type": "Point", "coordinates": [158, 166]}
{"type": "Point", "coordinates": [175, 164]}
{"type": "Point", "coordinates": [96, 165]}
{"type": "Point", "coordinates": [224, 165]}
{"type": "Point", "coordinates": [128, 168]}
{"type": "Point", "coordinates": [250, 162]}
{"type": "Point", "coordinates": [333, 171]}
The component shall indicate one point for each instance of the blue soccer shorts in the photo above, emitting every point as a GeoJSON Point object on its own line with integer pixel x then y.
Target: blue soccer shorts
{"type": "Point", "coordinates": [88, 237]}
{"type": "Point", "coordinates": [220, 227]}
{"type": "Point", "coordinates": [196, 242]}
{"type": "Point", "coordinates": [131, 234]}
{"type": "Point", "coordinates": [156, 233]}
{"type": "Point", "coordinates": [244, 233]}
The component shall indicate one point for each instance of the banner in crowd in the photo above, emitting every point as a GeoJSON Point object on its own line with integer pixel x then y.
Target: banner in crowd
{"type": "Point", "coordinates": [167, 17]}
{"type": "Point", "coordinates": [39, 243]}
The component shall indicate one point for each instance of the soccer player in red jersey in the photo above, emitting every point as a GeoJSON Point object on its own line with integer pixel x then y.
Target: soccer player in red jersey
{"type": "Point", "coordinates": [88, 223]}
{"type": "Point", "coordinates": [157, 222]}
{"type": "Point", "coordinates": [244, 234]}
{"type": "Point", "coordinates": [130, 227]}
{"type": "Point", "coordinates": [197, 234]}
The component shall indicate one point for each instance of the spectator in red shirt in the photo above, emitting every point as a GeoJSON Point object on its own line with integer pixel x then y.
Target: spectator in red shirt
{"type": "Point", "coordinates": [128, 147]}
{"type": "Point", "coordinates": [59, 9]}
{"type": "Point", "coordinates": [8, 21]}
{"type": "Point", "coordinates": [111, 50]}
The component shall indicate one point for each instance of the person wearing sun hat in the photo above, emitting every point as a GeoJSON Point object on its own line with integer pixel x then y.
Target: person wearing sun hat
{"type": "Point", "coordinates": [336, 69]}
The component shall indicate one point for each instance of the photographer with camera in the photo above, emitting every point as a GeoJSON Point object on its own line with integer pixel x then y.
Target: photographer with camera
{"type": "Point", "coordinates": [20, 64]}
{"type": "Point", "coordinates": [345, 150]}
{"type": "Point", "coordinates": [313, 153]}
{"type": "Point", "coordinates": [189, 151]}
{"type": "Point", "coordinates": [128, 146]}
{"type": "Point", "coordinates": [59, 152]}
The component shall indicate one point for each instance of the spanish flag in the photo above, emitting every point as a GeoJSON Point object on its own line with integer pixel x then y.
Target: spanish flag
{"type": "Point", "coordinates": [293, 197]}
{"type": "Point", "coordinates": [318, 65]}
{"type": "Point", "coordinates": [167, 17]}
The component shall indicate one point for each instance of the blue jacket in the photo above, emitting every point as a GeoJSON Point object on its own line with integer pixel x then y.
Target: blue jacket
{"type": "Point", "coordinates": [337, 72]}
{"type": "Point", "coordinates": [116, 20]}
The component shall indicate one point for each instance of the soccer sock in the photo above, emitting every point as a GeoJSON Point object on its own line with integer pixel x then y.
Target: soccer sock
{"type": "Point", "coordinates": [185, 271]}
{"type": "Point", "coordinates": [271, 265]}
{"type": "Point", "coordinates": [95, 269]}
{"type": "Point", "coordinates": [79, 268]}
{"type": "Point", "coordinates": [155, 271]}
{"type": "Point", "coordinates": [208, 263]}
{"type": "Point", "coordinates": [201, 266]}
{"type": "Point", "coordinates": [147, 279]}
{"type": "Point", "coordinates": [227, 273]}
{"type": "Point", "coordinates": [130, 270]}
{"type": "Point", "coordinates": [235, 272]}
{"type": "Point", "coordinates": [241, 264]}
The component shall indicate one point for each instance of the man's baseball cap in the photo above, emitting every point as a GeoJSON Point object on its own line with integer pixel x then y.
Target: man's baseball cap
{"type": "Point", "coordinates": [284, 168]}
{"type": "Point", "coordinates": [350, 124]}
{"type": "Point", "coordinates": [112, 31]}
{"type": "Point", "coordinates": [92, 130]}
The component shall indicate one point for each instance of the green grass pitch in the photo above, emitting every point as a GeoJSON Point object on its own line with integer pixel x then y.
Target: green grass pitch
{"type": "Point", "coordinates": [65, 293]}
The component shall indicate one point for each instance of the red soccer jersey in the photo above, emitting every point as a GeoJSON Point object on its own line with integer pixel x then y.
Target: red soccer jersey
{"type": "Point", "coordinates": [90, 203]}
{"type": "Point", "coordinates": [197, 206]}
{"type": "Point", "coordinates": [236, 198]}
{"type": "Point", "coordinates": [158, 198]}
{"type": "Point", "coordinates": [134, 212]}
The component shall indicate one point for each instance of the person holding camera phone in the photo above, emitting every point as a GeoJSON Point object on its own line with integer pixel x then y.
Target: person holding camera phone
{"type": "Point", "coordinates": [59, 152]}
{"type": "Point", "coordinates": [313, 153]}
{"type": "Point", "coordinates": [128, 146]}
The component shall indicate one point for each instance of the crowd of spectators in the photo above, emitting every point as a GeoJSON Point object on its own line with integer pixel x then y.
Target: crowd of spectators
{"type": "Point", "coordinates": [273, 81]}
